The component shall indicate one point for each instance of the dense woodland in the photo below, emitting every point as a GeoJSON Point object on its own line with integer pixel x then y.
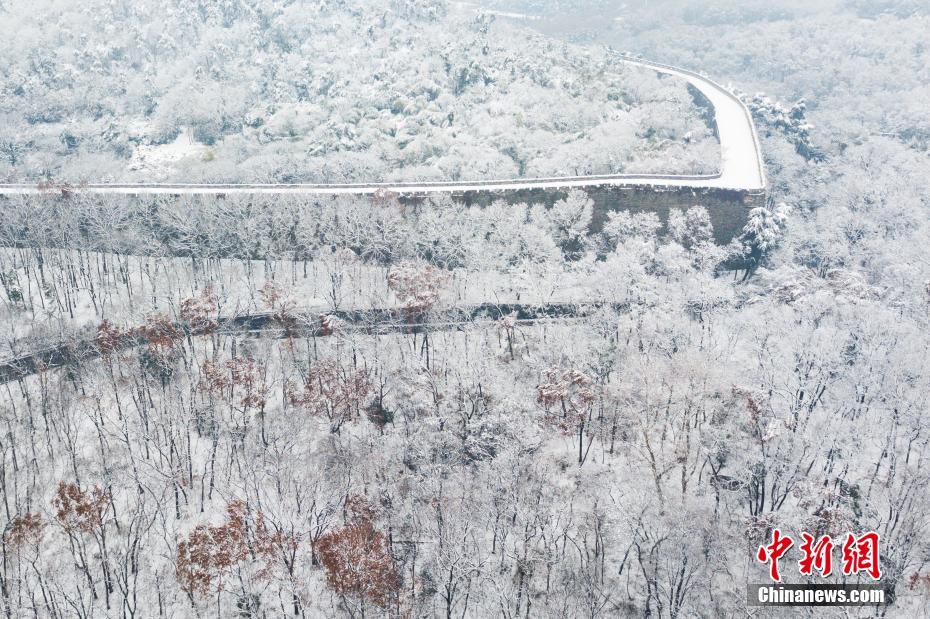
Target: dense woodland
{"type": "Point", "coordinates": [627, 461]}
{"type": "Point", "coordinates": [264, 91]}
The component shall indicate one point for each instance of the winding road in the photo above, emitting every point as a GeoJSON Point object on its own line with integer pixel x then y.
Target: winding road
{"type": "Point", "coordinates": [741, 166]}
{"type": "Point", "coordinates": [375, 321]}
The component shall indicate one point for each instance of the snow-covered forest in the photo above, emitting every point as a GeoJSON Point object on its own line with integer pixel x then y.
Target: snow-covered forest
{"type": "Point", "coordinates": [359, 407]}
{"type": "Point", "coordinates": [322, 92]}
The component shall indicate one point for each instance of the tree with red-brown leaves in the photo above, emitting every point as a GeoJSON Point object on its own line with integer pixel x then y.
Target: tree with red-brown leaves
{"type": "Point", "coordinates": [357, 560]}
{"type": "Point", "coordinates": [80, 511]}
{"type": "Point", "coordinates": [61, 188]}
{"type": "Point", "coordinates": [271, 295]}
{"type": "Point", "coordinates": [278, 549]}
{"type": "Point", "coordinates": [21, 540]}
{"type": "Point", "coordinates": [83, 513]}
{"type": "Point", "coordinates": [210, 554]}
{"type": "Point", "coordinates": [25, 530]}
{"type": "Point", "coordinates": [214, 379]}
{"type": "Point", "coordinates": [418, 290]}
{"type": "Point", "coordinates": [108, 338]}
{"type": "Point", "coordinates": [160, 332]}
{"type": "Point", "coordinates": [508, 325]}
{"type": "Point", "coordinates": [919, 582]}
{"type": "Point", "coordinates": [162, 336]}
{"type": "Point", "coordinates": [330, 324]}
{"type": "Point", "coordinates": [250, 377]}
{"type": "Point", "coordinates": [241, 372]}
{"type": "Point", "coordinates": [197, 311]}
{"type": "Point", "coordinates": [331, 391]}
{"type": "Point", "coordinates": [385, 197]}
{"type": "Point", "coordinates": [567, 398]}
{"type": "Point", "coordinates": [241, 383]}
{"type": "Point", "coordinates": [281, 305]}
{"type": "Point", "coordinates": [416, 287]}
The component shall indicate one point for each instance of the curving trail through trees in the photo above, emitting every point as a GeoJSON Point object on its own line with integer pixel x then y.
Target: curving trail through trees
{"type": "Point", "coordinates": [376, 321]}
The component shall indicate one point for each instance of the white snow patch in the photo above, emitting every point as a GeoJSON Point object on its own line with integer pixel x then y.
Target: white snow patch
{"type": "Point", "coordinates": [160, 160]}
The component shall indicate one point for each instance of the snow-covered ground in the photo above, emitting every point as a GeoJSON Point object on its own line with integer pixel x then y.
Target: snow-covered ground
{"type": "Point", "coordinates": [158, 160]}
{"type": "Point", "coordinates": [57, 311]}
{"type": "Point", "coordinates": [741, 163]}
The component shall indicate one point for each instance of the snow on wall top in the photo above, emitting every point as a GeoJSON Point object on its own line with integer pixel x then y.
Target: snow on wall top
{"type": "Point", "coordinates": [741, 166]}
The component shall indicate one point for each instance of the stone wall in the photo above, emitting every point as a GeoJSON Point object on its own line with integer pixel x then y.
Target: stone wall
{"type": "Point", "coordinates": [729, 209]}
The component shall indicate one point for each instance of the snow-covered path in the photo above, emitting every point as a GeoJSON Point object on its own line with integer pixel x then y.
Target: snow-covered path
{"type": "Point", "coordinates": [741, 164]}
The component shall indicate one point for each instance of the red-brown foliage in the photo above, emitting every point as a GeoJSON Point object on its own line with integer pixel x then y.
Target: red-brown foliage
{"type": "Point", "coordinates": [270, 294]}
{"type": "Point", "coordinates": [197, 311]}
{"type": "Point", "coordinates": [160, 332]}
{"type": "Point", "coordinates": [80, 511]}
{"type": "Point", "coordinates": [242, 373]}
{"type": "Point", "coordinates": [332, 392]}
{"type": "Point", "coordinates": [250, 377]}
{"type": "Point", "coordinates": [211, 552]}
{"type": "Point", "coordinates": [918, 580]}
{"type": "Point", "coordinates": [757, 528]}
{"type": "Point", "coordinates": [213, 379]}
{"type": "Point", "coordinates": [62, 188]}
{"type": "Point", "coordinates": [417, 288]}
{"type": "Point", "coordinates": [386, 197]}
{"type": "Point", "coordinates": [357, 562]}
{"type": "Point", "coordinates": [567, 397]}
{"type": "Point", "coordinates": [108, 337]}
{"type": "Point", "coordinates": [508, 325]}
{"type": "Point", "coordinates": [24, 530]}
{"type": "Point", "coordinates": [330, 324]}
{"type": "Point", "coordinates": [281, 305]}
